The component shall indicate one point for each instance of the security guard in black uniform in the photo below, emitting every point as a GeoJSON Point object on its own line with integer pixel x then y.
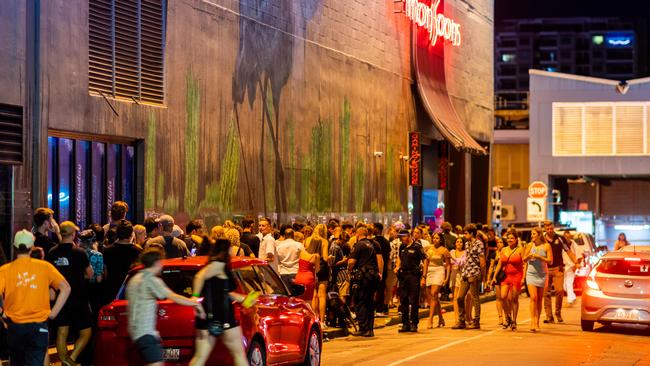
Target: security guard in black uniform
{"type": "Point", "coordinates": [409, 273]}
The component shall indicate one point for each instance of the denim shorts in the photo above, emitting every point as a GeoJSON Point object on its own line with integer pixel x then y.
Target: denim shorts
{"type": "Point", "coordinates": [150, 348]}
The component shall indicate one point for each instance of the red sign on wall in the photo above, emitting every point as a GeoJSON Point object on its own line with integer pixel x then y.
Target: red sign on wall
{"type": "Point", "coordinates": [415, 159]}
{"type": "Point", "coordinates": [443, 164]}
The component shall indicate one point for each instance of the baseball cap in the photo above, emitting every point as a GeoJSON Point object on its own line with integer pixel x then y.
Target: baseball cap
{"type": "Point", "coordinates": [166, 219]}
{"type": "Point", "coordinates": [403, 232]}
{"type": "Point", "coordinates": [25, 238]}
{"type": "Point", "coordinates": [68, 228]}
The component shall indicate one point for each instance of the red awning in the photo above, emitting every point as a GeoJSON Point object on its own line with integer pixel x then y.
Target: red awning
{"type": "Point", "coordinates": [429, 65]}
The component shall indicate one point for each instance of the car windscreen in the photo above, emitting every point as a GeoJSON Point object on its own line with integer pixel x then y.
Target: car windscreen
{"type": "Point", "coordinates": [625, 266]}
{"type": "Point", "coordinates": [178, 280]}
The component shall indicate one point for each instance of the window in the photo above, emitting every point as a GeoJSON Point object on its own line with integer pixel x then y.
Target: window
{"type": "Point", "coordinates": [273, 285]}
{"type": "Point", "coordinates": [248, 279]}
{"type": "Point", "coordinates": [625, 267]}
{"type": "Point", "coordinates": [126, 44]}
{"type": "Point", "coordinates": [600, 129]}
{"type": "Point", "coordinates": [84, 178]}
{"type": "Point", "coordinates": [11, 134]}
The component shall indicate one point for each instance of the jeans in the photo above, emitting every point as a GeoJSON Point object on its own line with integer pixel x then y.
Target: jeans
{"type": "Point", "coordinates": [555, 278]}
{"type": "Point", "coordinates": [409, 298]}
{"type": "Point", "coordinates": [27, 343]}
{"type": "Point", "coordinates": [569, 277]}
{"type": "Point", "coordinates": [471, 285]}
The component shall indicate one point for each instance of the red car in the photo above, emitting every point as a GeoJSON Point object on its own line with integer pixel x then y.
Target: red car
{"type": "Point", "coordinates": [279, 329]}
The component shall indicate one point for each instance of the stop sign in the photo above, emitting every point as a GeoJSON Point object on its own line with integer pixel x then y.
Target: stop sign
{"type": "Point", "coordinates": [537, 189]}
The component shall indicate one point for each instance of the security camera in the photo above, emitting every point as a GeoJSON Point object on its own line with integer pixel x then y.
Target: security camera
{"type": "Point", "coordinates": [378, 154]}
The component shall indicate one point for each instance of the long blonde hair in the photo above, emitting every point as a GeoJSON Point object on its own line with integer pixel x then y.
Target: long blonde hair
{"type": "Point", "coordinates": [217, 232]}
{"type": "Point", "coordinates": [233, 236]}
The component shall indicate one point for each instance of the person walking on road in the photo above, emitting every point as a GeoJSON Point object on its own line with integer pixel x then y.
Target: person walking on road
{"type": "Point", "coordinates": [409, 273]}
{"type": "Point", "coordinates": [511, 265]}
{"type": "Point", "coordinates": [367, 263]}
{"type": "Point", "coordinates": [570, 267]}
{"type": "Point", "coordinates": [317, 244]}
{"type": "Point", "coordinates": [494, 280]}
{"type": "Point", "coordinates": [555, 272]}
{"type": "Point", "coordinates": [25, 289]}
{"type": "Point", "coordinates": [437, 267]}
{"type": "Point", "coordinates": [215, 283]}
{"type": "Point", "coordinates": [537, 256]}
{"type": "Point", "coordinates": [143, 292]}
{"type": "Point", "coordinates": [471, 278]}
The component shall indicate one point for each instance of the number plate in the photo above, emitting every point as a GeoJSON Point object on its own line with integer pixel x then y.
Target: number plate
{"type": "Point", "coordinates": [632, 315]}
{"type": "Point", "coordinates": [171, 354]}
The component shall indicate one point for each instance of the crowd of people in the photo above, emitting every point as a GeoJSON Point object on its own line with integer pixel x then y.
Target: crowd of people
{"type": "Point", "coordinates": [371, 268]}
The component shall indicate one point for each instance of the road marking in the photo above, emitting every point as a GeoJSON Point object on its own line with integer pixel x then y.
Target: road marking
{"type": "Point", "coordinates": [460, 341]}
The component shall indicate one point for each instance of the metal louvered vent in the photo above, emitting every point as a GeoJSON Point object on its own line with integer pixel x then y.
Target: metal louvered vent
{"type": "Point", "coordinates": [126, 49]}
{"type": "Point", "coordinates": [11, 134]}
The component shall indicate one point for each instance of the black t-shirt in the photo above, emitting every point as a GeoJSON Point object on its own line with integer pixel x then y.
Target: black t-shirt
{"type": "Point", "coordinates": [558, 244]}
{"type": "Point", "coordinates": [72, 262]}
{"type": "Point", "coordinates": [411, 257]}
{"type": "Point", "coordinates": [385, 247]}
{"type": "Point", "coordinates": [252, 241]}
{"type": "Point", "coordinates": [365, 253]}
{"type": "Point", "coordinates": [45, 242]}
{"type": "Point", "coordinates": [118, 259]}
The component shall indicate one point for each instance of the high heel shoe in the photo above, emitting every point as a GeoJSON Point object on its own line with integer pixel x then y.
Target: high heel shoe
{"type": "Point", "coordinates": [441, 322]}
{"type": "Point", "coordinates": [430, 324]}
{"type": "Point", "coordinates": [507, 323]}
{"type": "Point", "coordinates": [513, 326]}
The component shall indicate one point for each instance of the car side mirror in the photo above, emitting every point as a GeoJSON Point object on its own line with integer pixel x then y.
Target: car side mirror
{"type": "Point", "coordinates": [297, 290]}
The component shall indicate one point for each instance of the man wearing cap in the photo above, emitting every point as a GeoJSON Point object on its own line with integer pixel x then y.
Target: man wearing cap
{"type": "Point", "coordinates": [173, 246]}
{"type": "Point", "coordinates": [25, 288]}
{"type": "Point", "coordinates": [72, 262]}
{"type": "Point", "coordinates": [409, 272]}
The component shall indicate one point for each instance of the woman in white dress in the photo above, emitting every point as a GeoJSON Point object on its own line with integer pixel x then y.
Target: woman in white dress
{"type": "Point", "coordinates": [437, 268]}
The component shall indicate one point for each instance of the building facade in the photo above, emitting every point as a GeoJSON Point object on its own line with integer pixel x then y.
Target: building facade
{"type": "Point", "coordinates": [219, 108]}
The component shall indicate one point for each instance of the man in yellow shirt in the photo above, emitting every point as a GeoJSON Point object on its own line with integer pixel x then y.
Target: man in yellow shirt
{"type": "Point", "coordinates": [24, 286]}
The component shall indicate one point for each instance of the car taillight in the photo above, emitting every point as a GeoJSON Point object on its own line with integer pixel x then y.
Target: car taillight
{"type": "Point", "coordinates": [591, 280]}
{"type": "Point", "coordinates": [107, 318]}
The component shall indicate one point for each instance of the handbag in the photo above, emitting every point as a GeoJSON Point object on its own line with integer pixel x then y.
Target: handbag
{"type": "Point", "coordinates": [501, 275]}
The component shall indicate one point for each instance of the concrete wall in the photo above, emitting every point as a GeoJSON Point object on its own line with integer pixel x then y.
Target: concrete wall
{"type": "Point", "coordinates": [546, 88]}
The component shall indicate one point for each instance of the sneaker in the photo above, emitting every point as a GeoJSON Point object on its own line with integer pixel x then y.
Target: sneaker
{"type": "Point", "coordinates": [404, 329]}
{"type": "Point", "coordinates": [474, 326]}
{"type": "Point", "coordinates": [459, 326]}
{"type": "Point", "coordinates": [414, 329]}
{"type": "Point", "coordinates": [549, 321]}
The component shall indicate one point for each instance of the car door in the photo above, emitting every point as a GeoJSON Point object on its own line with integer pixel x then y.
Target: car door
{"type": "Point", "coordinates": [289, 329]}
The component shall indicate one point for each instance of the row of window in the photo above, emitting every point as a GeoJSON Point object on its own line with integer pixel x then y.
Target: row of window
{"type": "Point", "coordinates": [601, 129]}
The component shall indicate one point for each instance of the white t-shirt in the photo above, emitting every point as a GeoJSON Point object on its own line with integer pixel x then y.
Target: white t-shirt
{"type": "Point", "coordinates": [268, 246]}
{"type": "Point", "coordinates": [288, 256]}
{"type": "Point", "coordinates": [569, 265]}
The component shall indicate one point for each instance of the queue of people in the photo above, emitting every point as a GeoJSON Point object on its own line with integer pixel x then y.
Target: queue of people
{"type": "Point", "coordinates": [370, 268]}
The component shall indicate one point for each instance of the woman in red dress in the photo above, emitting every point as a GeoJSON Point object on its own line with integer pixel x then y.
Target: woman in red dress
{"type": "Point", "coordinates": [511, 260]}
{"type": "Point", "coordinates": [306, 276]}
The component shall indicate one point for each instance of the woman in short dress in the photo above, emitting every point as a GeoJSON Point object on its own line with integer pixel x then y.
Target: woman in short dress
{"type": "Point", "coordinates": [511, 260]}
{"type": "Point", "coordinates": [458, 258]}
{"type": "Point", "coordinates": [492, 272]}
{"type": "Point", "coordinates": [436, 274]}
{"type": "Point", "coordinates": [537, 256]}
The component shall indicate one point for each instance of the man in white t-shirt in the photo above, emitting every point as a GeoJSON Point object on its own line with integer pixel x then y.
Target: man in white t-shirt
{"type": "Point", "coordinates": [570, 268]}
{"type": "Point", "coordinates": [288, 256]}
{"type": "Point", "coordinates": [268, 247]}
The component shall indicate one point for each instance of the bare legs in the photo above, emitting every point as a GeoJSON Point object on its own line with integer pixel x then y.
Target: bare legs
{"type": "Point", "coordinates": [232, 339]}
{"type": "Point", "coordinates": [536, 297]}
{"type": "Point", "coordinates": [319, 302]}
{"type": "Point", "coordinates": [434, 305]}
{"type": "Point", "coordinates": [498, 291]}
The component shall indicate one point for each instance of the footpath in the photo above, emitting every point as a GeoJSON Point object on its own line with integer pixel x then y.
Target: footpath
{"type": "Point", "coordinates": [394, 318]}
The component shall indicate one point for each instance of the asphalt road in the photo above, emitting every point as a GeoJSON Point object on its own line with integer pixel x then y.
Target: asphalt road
{"type": "Point", "coordinates": [557, 344]}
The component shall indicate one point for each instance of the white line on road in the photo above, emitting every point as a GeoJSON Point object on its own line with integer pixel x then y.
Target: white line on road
{"type": "Point", "coordinates": [411, 358]}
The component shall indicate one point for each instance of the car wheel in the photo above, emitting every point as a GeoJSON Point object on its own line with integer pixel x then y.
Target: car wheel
{"type": "Point", "coordinates": [257, 354]}
{"type": "Point", "coordinates": [587, 325]}
{"type": "Point", "coordinates": [313, 352]}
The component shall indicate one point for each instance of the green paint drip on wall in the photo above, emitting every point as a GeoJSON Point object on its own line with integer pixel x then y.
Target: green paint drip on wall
{"type": "Point", "coordinates": [359, 186]}
{"type": "Point", "coordinates": [221, 195]}
{"type": "Point", "coordinates": [393, 203]}
{"type": "Point", "coordinates": [192, 110]}
{"type": "Point", "coordinates": [322, 165]}
{"type": "Point", "coordinates": [292, 196]}
{"type": "Point", "coordinates": [150, 159]}
{"type": "Point", "coordinates": [344, 155]}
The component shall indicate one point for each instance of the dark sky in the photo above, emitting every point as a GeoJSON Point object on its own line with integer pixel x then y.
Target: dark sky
{"type": "Point", "coordinates": [505, 9]}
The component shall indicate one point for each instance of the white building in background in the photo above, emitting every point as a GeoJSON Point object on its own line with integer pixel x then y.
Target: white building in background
{"type": "Point", "coordinates": [589, 138]}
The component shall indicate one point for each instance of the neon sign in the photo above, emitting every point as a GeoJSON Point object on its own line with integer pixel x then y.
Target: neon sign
{"type": "Point", "coordinates": [437, 24]}
{"type": "Point", "coordinates": [415, 159]}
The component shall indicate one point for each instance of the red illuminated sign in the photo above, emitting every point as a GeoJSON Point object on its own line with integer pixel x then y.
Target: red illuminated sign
{"type": "Point", "coordinates": [437, 24]}
{"type": "Point", "coordinates": [415, 159]}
